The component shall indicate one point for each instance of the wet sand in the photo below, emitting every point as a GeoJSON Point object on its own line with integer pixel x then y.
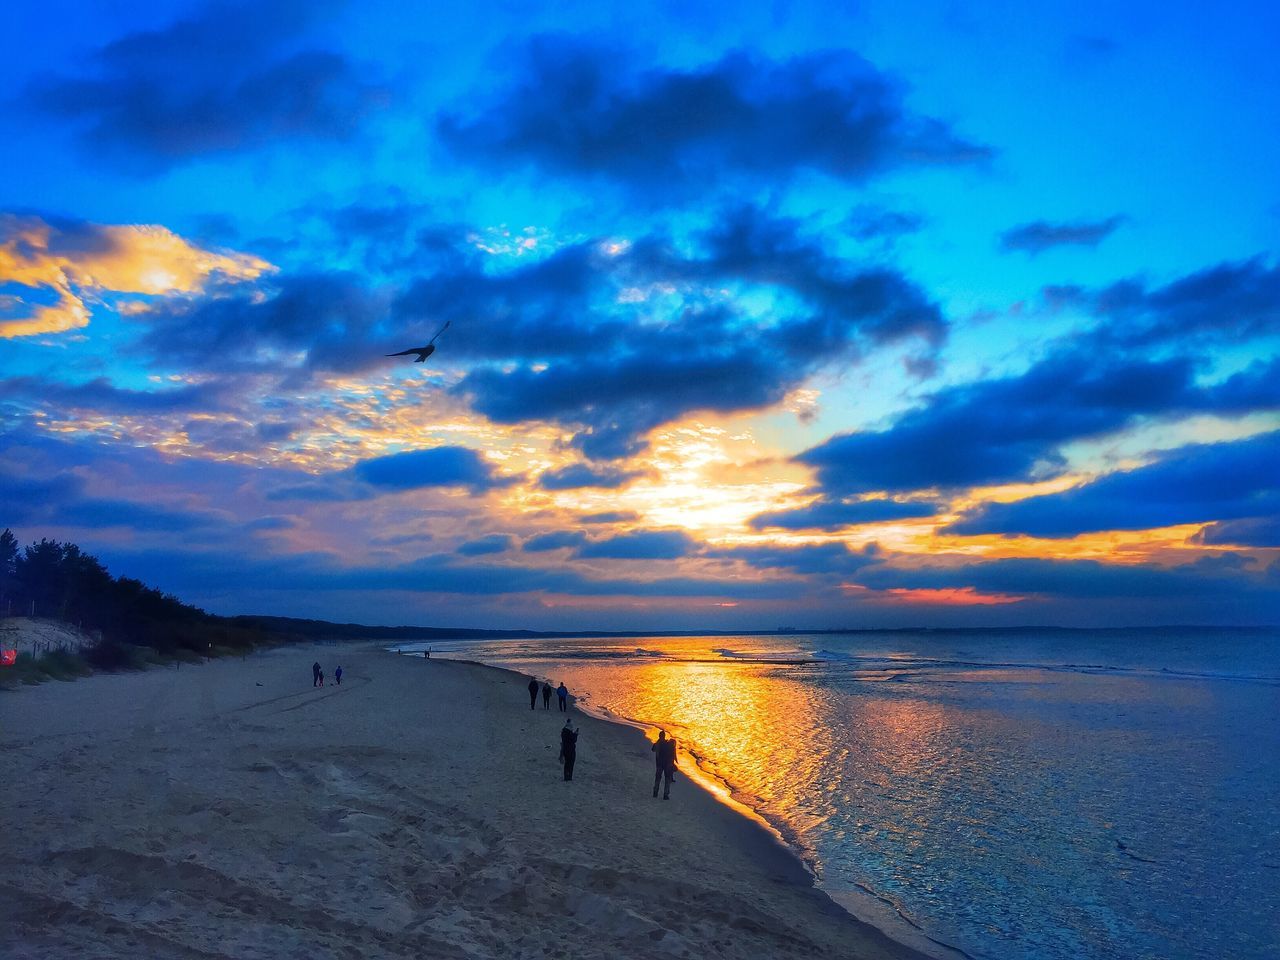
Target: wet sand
{"type": "Point", "coordinates": [232, 810]}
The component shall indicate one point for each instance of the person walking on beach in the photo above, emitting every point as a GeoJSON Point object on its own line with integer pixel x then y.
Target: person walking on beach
{"type": "Point", "coordinates": [337, 675]}
{"type": "Point", "coordinates": [315, 674]}
{"type": "Point", "coordinates": [664, 752]}
{"type": "Point", "coordinates": [568, 748]}
{"type": "Point", "coordinates": [533, 694]}
{"type": "Point", "coordinates": [321, 678]}
{"type": "Point", "coordinates": [563, 692]}
{"type": "Point", "coordinates": [546, 696]}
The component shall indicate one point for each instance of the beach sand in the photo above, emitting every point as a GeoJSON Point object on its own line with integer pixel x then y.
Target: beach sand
{"type": "Point", "coordinates": [232, 810]}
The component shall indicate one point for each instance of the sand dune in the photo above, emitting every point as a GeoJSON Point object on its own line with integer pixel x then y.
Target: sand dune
{"type": "Point", "coordinates": [230, 810]}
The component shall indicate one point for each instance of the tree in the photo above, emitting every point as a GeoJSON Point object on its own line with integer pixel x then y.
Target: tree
{"type": "Point", "coordinates": [8, 569]}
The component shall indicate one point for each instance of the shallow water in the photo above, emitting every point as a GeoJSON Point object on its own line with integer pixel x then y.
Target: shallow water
{"type": "Point", "coordinates": [1055, 794]}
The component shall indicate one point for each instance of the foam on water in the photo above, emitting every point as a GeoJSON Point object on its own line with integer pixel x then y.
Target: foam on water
{"type": "Point", "coordinates": [1056, 794]}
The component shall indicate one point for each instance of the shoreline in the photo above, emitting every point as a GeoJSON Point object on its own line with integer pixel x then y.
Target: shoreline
{"type": "Point", "coordinates": [862, 905]}
{"type": "Point", "coordinates": [415, 810]}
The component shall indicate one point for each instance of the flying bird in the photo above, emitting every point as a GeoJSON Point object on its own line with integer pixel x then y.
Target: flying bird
{"type": "Point", "coordinates": [422, 352]}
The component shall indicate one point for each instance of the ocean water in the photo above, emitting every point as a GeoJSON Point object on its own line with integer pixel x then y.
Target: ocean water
{"type": "Point", "coordinates": [1012, 794]}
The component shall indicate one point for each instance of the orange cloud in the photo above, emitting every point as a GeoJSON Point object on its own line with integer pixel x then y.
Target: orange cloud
{"type": "Point", "coordinates": [952, 597]}
{"type": "Point", "coordinates": [80, 262]}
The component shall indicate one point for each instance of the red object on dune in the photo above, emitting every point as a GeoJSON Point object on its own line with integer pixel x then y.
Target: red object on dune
{"type": "Point", "coordinates": [8, 658]}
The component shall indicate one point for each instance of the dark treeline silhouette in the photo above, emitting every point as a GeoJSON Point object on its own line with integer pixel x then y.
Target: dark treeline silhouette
{"type": "Point", "coordinates": [59, 581]}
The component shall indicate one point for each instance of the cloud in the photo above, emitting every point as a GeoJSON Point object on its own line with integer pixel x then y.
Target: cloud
{"type": "Point", "coordinates": [102, 396]}
{"type": "Point", "coordinates": [640, 545]}
{"type": "Point", "coordinates": [493, 543]}
{"type": "Point", "coordinates": [1196, 483]}
{"type": "Point", "coordinates": [579, 475]}
{"type": "Point", "coordinates": [233, 76]}
{"type": "Point", "coordinates": [74, 261]}
{"type": "Point", "coordinates": [1069, 579]}
{"type": "Point", "coordinates": [436, 574]}
{"type": "Point", "coordinates": [1011, 429]}
{"type": "Point", "coordinates": [1037, 237]}
{"type": "Point", "coordinates": [575, 108]}
{"type": "Point", "coordinates": [836, 514]}
{"type": "Point", "coordinates": [296, 325]}
{"type": "Point", "coordinates": [445, 466]}
{"type": "Point", "coordinates": [866, 222]}
{"type": "Point", "coordinates": [1227, 303]}
{"type": "Point", "coordinates": [815, 559]}
{"type": "Point", "coordinates": [610, 516]}
{"type": "Point", "coordinates": [1252, 532]}
{"type": "Point", "coordinates": [561, 343]}
{"type": "Point", "coordinates": [556, 540]}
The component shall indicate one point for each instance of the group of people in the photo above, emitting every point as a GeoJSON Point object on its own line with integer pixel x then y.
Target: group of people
{"type": "Point", "coordinates": [561, 691]}
{"type": "Point", "coordinates": [664, 749]}
{"type": "Point", "coordinates": [317, 675]}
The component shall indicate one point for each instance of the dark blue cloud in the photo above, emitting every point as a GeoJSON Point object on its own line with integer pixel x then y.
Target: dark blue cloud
{"type": "Point", "coordinates": [1011, 429]}
{"type": "Point", "coordinates": [197, 572]}
{"type": "Point", "coordinates": [582, 110]}
{"type": "Point", "coordinates": [640, 545]}
{"type": "Point", "coordinates": [1037, 237]}
{"type": "Point", "coordinates": [493, 543]}
{"type": "Point", "coordinates": [1226, 303]}
{"type": "Point", "coordinates": [835, 514]}
{"type": "Point", "coordinates": [231, 77]}
{"type": "Point", "coordinates": [1196, 483]}
{"type": "Point", "coordinates": [333, 318]}
{"type": "Point", "coordinates": [866, 222]}
{"type": "Point", "coordinates": [1070, 579]}
{"type": "Point", "coordinates": [1252, 532]}
{"type": "Point", "coordinates": [610, 516]}
{"type": "Point", "coordinates": [32, 499]}
{"type": "Point", "coordinates": [100, 395]}
{"type": "Point", "coordinates": [97, 513]}
{"type": "Point", "coordinates": [556, 540]}
{"type": "Point", "coordinates": [437, 467]}
{"type": "Point", "coordinates": [579, 475]}
{"type": "Point", "coordinates": [582, 361]}
{"type": "Point", "coordinates": [818, 559]}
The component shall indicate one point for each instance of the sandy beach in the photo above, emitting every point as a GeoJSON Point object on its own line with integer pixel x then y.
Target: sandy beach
{"type": "Point", "coordinates": [232, 810]}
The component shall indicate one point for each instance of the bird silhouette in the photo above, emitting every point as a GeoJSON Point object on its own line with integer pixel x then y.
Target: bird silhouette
{"type": "Point", "coordinates": [422, 352]}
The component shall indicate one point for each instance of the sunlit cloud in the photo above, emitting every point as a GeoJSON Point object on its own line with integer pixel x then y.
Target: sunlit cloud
{"type": "Point", "coordinates": [80, 263]}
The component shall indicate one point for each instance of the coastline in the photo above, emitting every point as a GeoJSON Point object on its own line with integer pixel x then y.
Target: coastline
{"type": "Point", "coordinates": [229, 808]}
{"type": "Point", "coordinates": [862, 905]}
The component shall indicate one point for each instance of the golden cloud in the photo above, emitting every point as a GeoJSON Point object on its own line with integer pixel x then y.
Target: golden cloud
{"type": "Point", "coordinates": [81, 261]}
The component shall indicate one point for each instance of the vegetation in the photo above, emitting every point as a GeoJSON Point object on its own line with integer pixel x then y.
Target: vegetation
{"type": "Point", "coordinates": [133, 624]}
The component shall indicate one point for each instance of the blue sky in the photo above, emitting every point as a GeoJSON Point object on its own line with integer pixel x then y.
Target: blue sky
{"type": "Point", "coordinates": [901, 314]}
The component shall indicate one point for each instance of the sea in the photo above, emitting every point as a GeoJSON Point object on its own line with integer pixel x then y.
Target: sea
{"type": "Point", "coordinates": [998, 794]}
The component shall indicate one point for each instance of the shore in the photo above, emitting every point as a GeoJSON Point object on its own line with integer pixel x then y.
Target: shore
{"type": "Point", "coordinates": [232, 810]}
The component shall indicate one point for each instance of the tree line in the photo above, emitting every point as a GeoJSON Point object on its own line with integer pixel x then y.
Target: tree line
{"type": "Point", "coordinates": [62, 582]}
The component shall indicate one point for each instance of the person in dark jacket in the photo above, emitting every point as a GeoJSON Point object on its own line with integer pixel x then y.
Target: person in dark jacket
{"type": "Point", "coordinates": [337, 675]}
{"type": "Point", "coordinates": [546, 696]}
{"type": "Point", "coordinates": [563, 692]}
{"type": "Point", "coordinates": [315, 674]}
{"type": "Point", "coordinates": [664, 753]}
{"type": "Point", "coordinates": [533, 694]}
{"type": "Point", "coordinates": [568, 748]}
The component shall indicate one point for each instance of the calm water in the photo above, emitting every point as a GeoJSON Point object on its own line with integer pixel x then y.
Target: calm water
{"type": "Point", "coordinates": [1015, 794]}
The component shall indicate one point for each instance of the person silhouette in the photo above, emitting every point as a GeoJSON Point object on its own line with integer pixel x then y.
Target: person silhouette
{"type": "Point", "coordinates": [664, 754]}
{"type": "Point", "coordinates": [533, 694]}
{"type": "Point", "coordinates": [563, 692]}
{"type": "Point", "coordinates": [315, 674]}
{"type": "Point", "coordinates": [546, 696]}
{"type": "Point", "coordinates": [568, 748]}
{"type": "Point", "coordinates": [337, 676]}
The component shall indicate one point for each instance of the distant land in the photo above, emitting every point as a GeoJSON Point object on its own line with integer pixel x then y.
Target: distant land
{"type": "Point", "coordinates": [324, 629]}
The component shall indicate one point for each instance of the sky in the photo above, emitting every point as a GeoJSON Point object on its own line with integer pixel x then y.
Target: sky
{"type": "Point", "coordinates": [810, 315]}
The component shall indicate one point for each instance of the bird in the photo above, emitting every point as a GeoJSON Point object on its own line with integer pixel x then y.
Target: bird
{"type": "Point", "coordinates": [422, 352]}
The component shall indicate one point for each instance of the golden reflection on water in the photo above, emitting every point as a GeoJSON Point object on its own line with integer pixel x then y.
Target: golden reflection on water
{"type": "Point", "coordinates": [778, 741]}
